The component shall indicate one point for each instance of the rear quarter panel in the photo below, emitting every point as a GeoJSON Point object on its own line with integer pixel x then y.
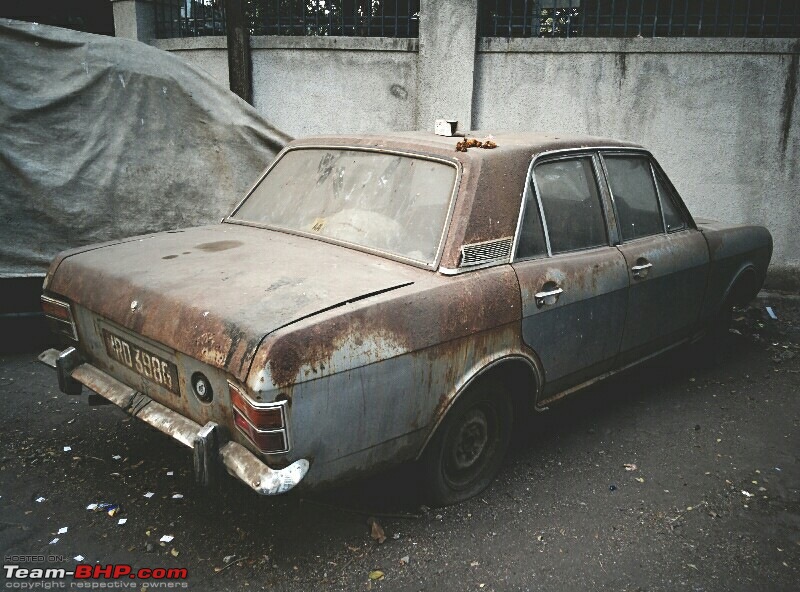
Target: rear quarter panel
{"type": "Point", "coordinates": [367, 382]}
{"type": "Point", "coordinates": [733, 250]}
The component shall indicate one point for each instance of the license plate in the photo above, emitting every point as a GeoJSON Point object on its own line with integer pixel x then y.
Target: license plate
{"type": "Point", "coordinates": [155, 368]}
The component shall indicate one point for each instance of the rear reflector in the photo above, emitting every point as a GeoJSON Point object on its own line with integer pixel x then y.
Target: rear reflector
{"type": "Point", "coordinates": [60, 315]}
{"type": "Point", "coordinates": [264, 417]}
{"type": "Point", "coordinates": [56, 309]}
{"type": "Point", "coordinates": [263, 423]}
{"type": "Point", "coordinates": [270, 441]}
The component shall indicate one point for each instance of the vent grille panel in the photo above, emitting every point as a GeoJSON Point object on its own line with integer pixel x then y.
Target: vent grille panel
{"type": "Point", "coordinates": [486, 252]}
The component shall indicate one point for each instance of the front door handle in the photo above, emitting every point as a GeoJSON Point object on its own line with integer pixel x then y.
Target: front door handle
{"type": "Point", "coordinates": [641, 270]}
{"type": "Point", "coordinates": [547, 297]}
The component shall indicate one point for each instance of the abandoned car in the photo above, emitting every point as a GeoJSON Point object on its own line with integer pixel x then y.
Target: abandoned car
{"type": "Point", "coordinates": [379, 299]}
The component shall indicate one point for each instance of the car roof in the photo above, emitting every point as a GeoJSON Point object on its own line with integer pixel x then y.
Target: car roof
{"type": "Point", "coordinates": [533, 142]}
{"type": "Point", "coordinates": [492, 181]}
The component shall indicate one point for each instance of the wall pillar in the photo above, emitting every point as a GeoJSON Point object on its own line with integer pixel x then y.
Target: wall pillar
{"type": "Point", "coordinates": [240, 65]}
{"type": "Point", "coordinates": [447, 44]}
{"type": "Point", "coordinates": [134, 19]}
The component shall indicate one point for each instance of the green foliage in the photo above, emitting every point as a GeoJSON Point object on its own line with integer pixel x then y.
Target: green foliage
{"type": "Point", "coordinates": [363, 18]}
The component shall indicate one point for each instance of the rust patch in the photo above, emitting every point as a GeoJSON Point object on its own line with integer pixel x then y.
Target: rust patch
{"type": "Point", "coordinates": [217, 309]}
{"type": "Point", "coordinates": [444, 311]}
{"type": "Point", "coordinates": [215, 341]}
{"type": "Point", "coordinates": [215, 246]}
{"type": "Point", "coordinates": [441, 407]}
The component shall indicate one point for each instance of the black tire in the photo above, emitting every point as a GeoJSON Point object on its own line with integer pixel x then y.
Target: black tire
{"type": "Point", "coordinates": [468, 449]}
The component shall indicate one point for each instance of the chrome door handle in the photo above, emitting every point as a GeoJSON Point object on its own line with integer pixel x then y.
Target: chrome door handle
{"type": "Point", "coordinates": [548, 297]}
{"type": "Point", "coordinates": [641, 271]}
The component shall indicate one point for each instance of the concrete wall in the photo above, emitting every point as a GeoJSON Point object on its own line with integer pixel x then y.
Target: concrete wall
{"type": "Point", "coordinates": [134, 19]}
{"type": "Point", "coordinates": [314, 85]}
{"type": "Point", "coordinates": [208, 53]}
{"type": "Point", "coordinates": [721, 115]}
{"type": "Point", "coordinates": [335, 85]}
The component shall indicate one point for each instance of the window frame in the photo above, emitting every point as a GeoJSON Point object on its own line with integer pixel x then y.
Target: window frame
{"type": "Point", "coordinates": [432, 266]}
{"type": "Point", "coordinates": [655, 171]}
{"type": "Point", "coordinates": [660, 175]}
{"type": "Point", "coordinates": [649, 159]}
{"type": "Point", "coordinates": [531, 185]}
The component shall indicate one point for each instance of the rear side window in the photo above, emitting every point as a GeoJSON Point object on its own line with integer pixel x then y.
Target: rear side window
{"type": "Point", "coordinates": [672, 215]}
{"type": "Point", "coordinates": [571, 202]}
{"type": "Point", "coordinates": [631, 183]}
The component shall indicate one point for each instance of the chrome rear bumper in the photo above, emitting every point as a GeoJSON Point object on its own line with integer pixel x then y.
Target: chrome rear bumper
{"type": "Point", "coordinates": [203, 440]}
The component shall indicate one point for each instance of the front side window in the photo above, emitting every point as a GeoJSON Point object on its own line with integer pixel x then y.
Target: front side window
{"type": "Point", "coordinates": [395, 203]}
{"type": "Point", "coordinates": [631, 182]}
{"type": "Point", "coordinates": [571, 203]}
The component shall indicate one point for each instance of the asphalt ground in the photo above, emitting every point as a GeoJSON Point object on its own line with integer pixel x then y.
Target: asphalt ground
{"type": "Point", "coordinates": [712, 501]}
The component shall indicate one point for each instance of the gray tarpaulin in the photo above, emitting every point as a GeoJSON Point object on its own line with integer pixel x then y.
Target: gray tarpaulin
{"type": "Point", "coordinates": [102, 138]}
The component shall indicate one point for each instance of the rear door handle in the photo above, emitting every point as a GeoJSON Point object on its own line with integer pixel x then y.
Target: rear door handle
{"type": "Point", "coordinates": [641, 271]}
{"type": "Point", "coordinates": [547, 297]}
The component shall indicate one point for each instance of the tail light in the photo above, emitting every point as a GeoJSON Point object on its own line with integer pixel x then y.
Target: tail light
{"type": "Point", "coordinates": [263, 423]}
{"type": "Point", "coordinates": [60, 316]}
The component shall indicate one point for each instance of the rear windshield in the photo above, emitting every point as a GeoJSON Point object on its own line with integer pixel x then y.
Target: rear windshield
{"type": "Point", "coordinates": [395, 203]}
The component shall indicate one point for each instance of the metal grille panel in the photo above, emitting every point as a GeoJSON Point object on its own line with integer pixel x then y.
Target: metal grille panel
{"type": "Point", "coordinates": [486, 252]}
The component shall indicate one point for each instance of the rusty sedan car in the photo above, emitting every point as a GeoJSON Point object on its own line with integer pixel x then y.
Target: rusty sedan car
{"type": "Point", "coordinates": [379, 299]}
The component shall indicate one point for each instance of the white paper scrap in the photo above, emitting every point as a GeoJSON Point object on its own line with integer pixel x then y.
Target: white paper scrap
{"type": "Point", "coordinates": [122, 521]}
{"type": "Point", "coordinates": [772, 314]}
{"type": "Point", "coordinates": [79, 558]}
{"type": "Point", "coordinates": [149, 494]}
{"type": "Point", "coordinates": [67, 448]}
{"type": "Point", "coordinates": [167, 538]}
{"type": "Point", "coordinates": [177, 496]}
{"type": "Point", "coordinates": [116, 457]}
{"type": "Point", "coordinates": [91, 507]}
{"type": "Point", "coordinates": [54, 541]}
{"type": "Point", "coordinates": [39, 500]}
{"type": "Point", "coordinates": [170, 473]}
{"type": "Point", "coordinates": [63, 530]}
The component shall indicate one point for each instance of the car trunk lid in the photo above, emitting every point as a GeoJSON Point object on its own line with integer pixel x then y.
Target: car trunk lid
{"type": "Point", "coordinates": [213, 293]}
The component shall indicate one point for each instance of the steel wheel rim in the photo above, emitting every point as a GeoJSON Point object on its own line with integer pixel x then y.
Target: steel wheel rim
{"type": "Point", "coordinates": [470, 446]}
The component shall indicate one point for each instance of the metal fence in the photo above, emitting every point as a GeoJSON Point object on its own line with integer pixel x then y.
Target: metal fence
{"type": "Point", "coordinates": [189, 18]}
{"type": "Point", "coordinates": [351, 18]}
{"type": "Point", "coordinates": [645, 18]}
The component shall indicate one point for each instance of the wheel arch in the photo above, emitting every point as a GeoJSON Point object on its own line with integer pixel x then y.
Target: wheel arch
{"type": "Point", "coordinates": [521, 371]}
{"type": "Point", "coordinates": [743, 287]}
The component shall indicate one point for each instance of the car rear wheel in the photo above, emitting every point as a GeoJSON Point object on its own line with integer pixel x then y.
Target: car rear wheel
{"type": "Point", "coordinates": [468, 449]}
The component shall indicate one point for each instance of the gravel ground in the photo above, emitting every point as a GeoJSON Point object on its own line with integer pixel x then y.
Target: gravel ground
{"type": "Point", "coordinates": [713, 502]}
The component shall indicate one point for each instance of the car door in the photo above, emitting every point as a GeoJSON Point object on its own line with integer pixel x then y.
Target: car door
{"type": "Point", "coordinates": [667, 258]}
{"type": "Point", "coordinates": [573, 280]}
